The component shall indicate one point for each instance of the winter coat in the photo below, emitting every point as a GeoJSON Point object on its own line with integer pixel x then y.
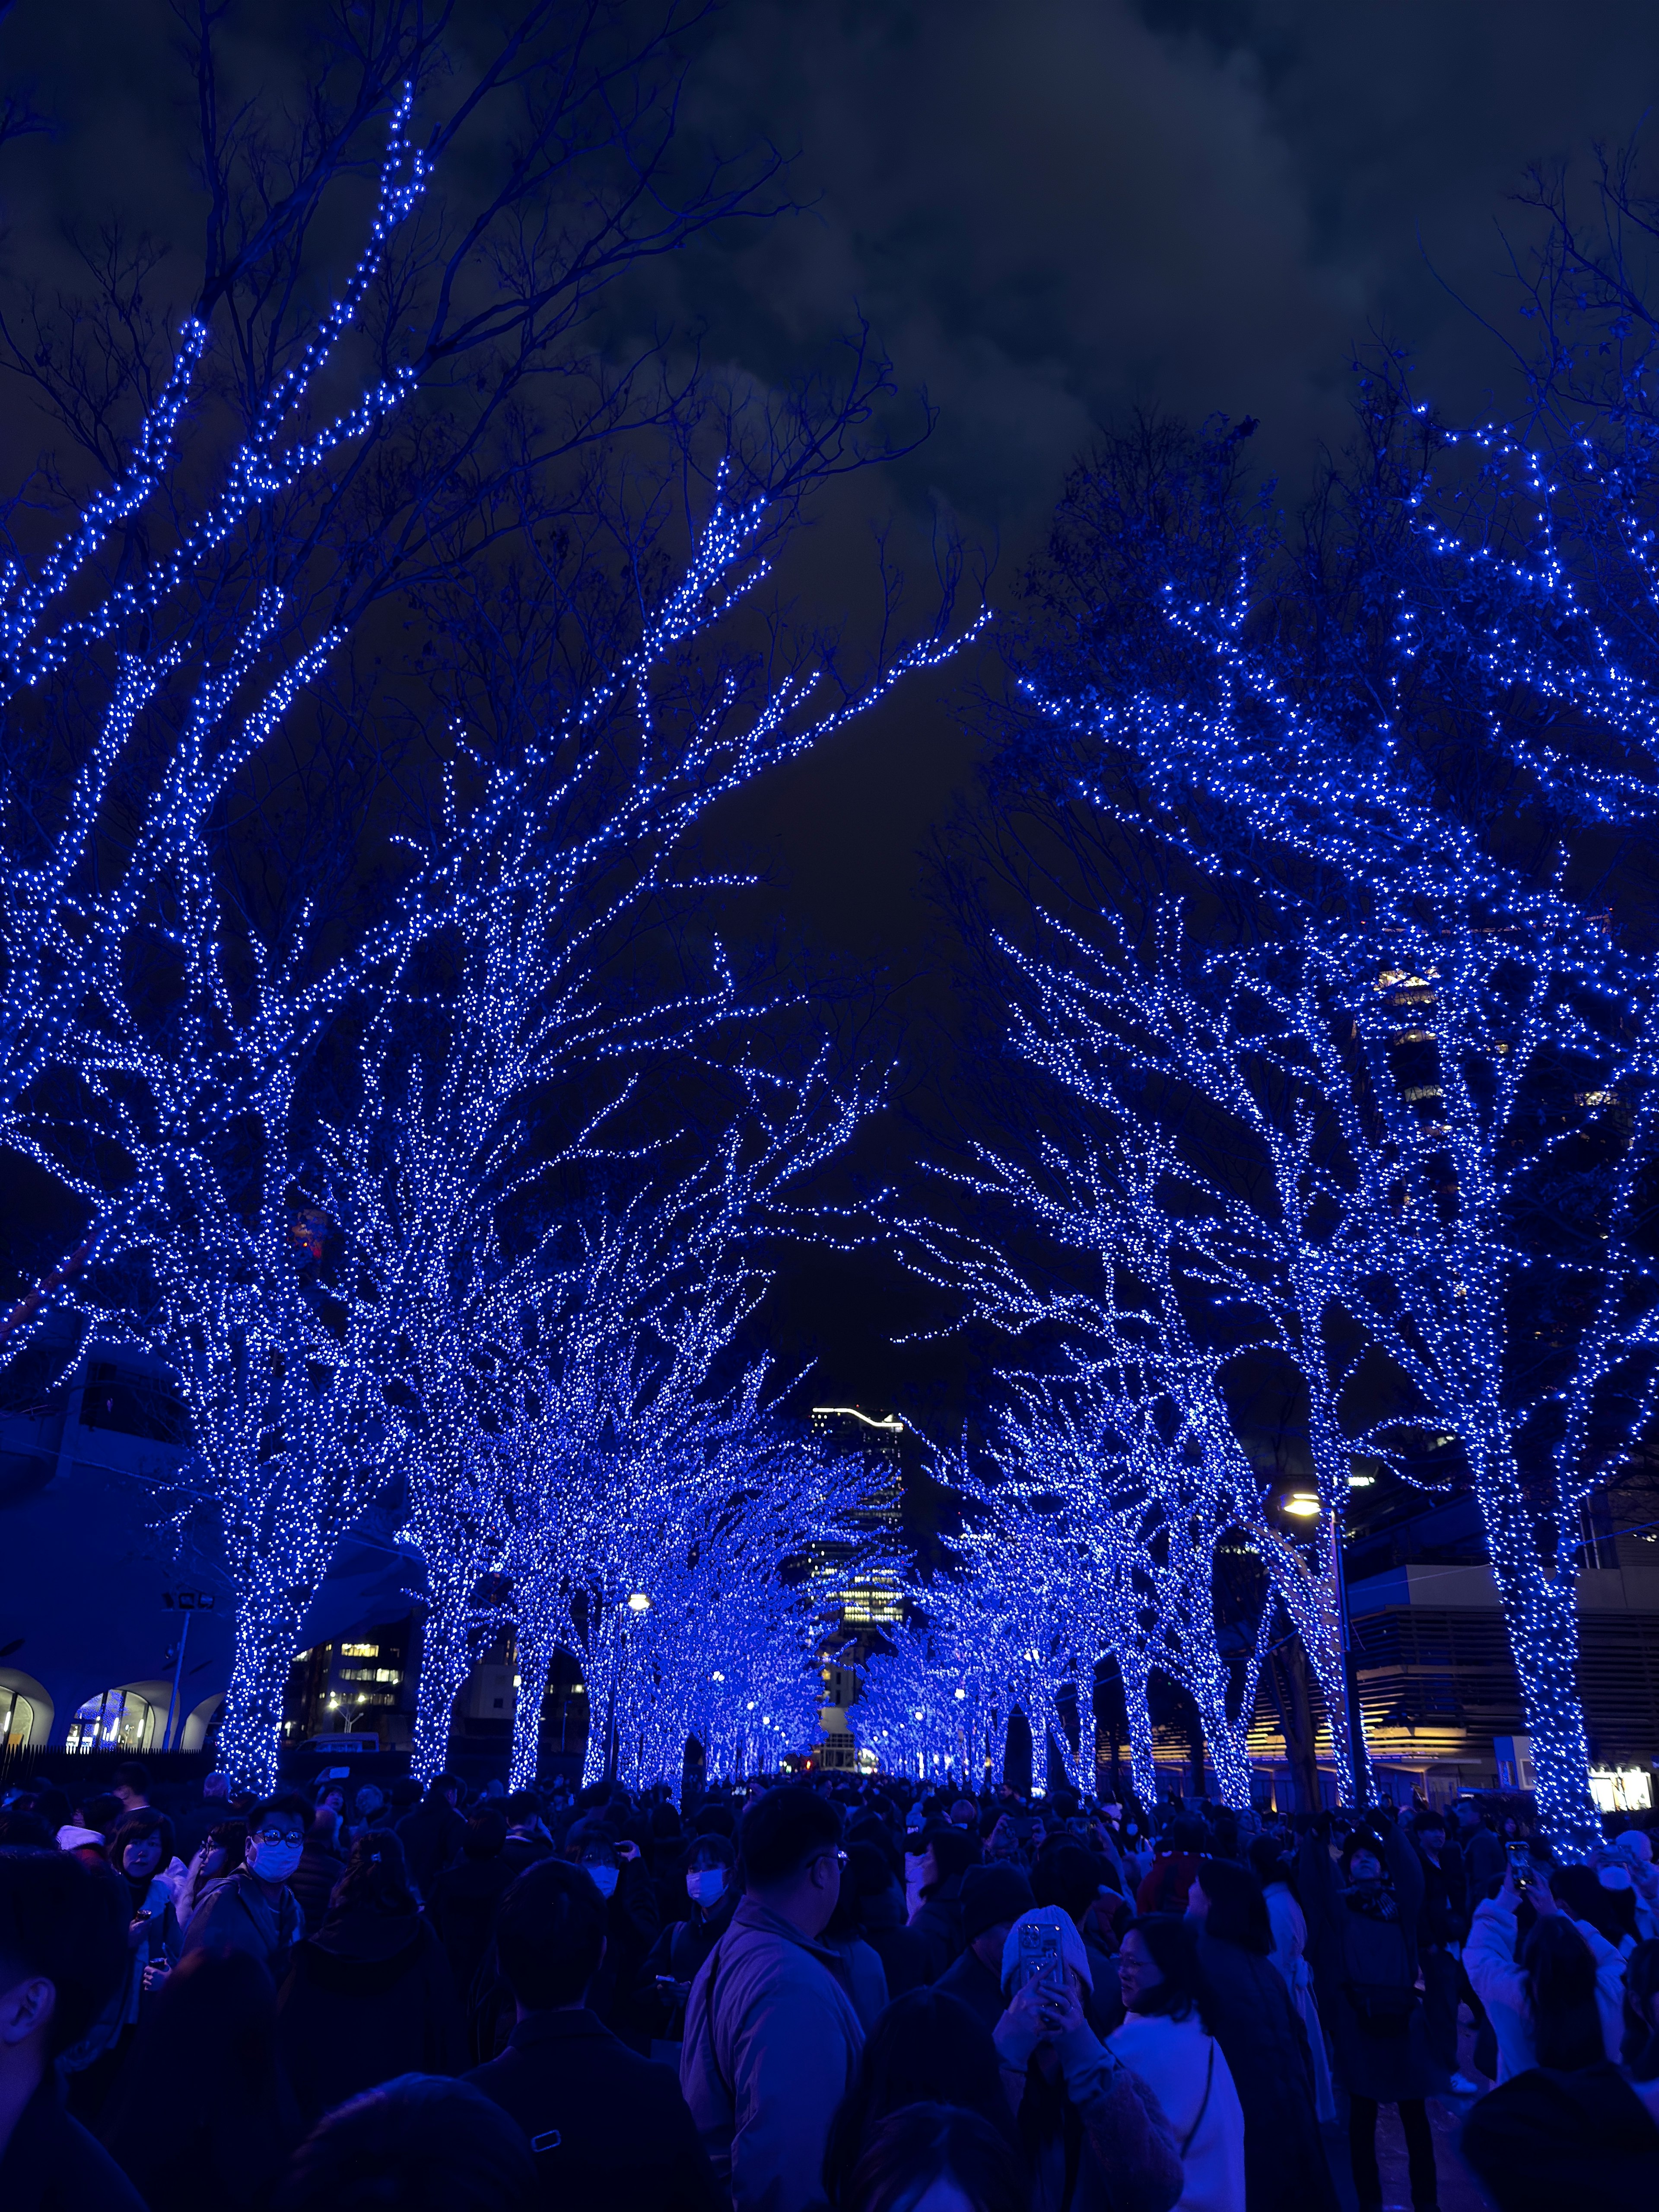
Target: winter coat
{"type": "Point", "coordinates": [631, 1921]}
{"type": "Point", "coordinates": [610, 2131]}
{"type": "Point", "coordinates": [678, 1956]}
{"type": "Point", "coordinates": [432, 1835]}
{"type": "Point", "coordinates": [1113, 2150]}
{"type": "Point", "coordinates": [1445, 1917]}
{"type": "Point", "coordinates": [1186, 2071]}
{"type": "Point", "coordinates": [1164, 1889]}
{"type": "Point", "coordinates": [52, 2165]}
{"type": "Point", "coordinates": [1266, 2047]}
{"type": "Point", "coordinates": [862, 1973]}
{"type": "Point", "coordinates": [1543, 2140]}
{"type": "Point", "coordinates": [462, 1908]}
{"type": "Point", "coordinates": [518, 1853]}
{"type": "Point", "coordinates": [938, 1927]}
{"type": "Point", "coordinates": [1501, 1985]}
{"type": "Point", "coordinates": [978, 1987]}
{"type": "Point", "coordinates": [1484, 1861]}
{"type": "Point", "coordinates": [235, 1914]}
{"type": "Point", "coordinates": [903, 1953]}
{"type": "Point", "coordinates": [313, 1882]}
{"type": "Point", "coordinates": [1366, 1970]}
{"type": "Point", "coordinates": [368, 1998]}
{"type": "Point", "coordinates": [772, 2043]}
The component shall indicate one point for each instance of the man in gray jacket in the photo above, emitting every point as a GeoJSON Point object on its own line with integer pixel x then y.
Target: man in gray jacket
{"type": "Point", "coordinates": [772, 2040]}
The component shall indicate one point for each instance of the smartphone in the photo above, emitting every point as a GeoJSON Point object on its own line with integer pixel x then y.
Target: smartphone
{"type": "Point", "coordinates": [1520, 1859]}
{"type": "Point", "coordinates": [1039, 1957]}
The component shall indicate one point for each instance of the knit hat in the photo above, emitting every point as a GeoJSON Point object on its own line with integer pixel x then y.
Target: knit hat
{"type": "Point", "coordinates": [1072, 1949]}
{"type": "Point", "coordinates": [991, 1895]}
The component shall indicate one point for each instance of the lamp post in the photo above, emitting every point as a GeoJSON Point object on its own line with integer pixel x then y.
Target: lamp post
{"type": "Point", "coordinates": [1302, 1505]}
{"type": "Point", "coordinates": [637, 1603]}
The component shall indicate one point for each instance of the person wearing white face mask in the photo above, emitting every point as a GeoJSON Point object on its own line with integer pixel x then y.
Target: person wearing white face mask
{"type": "Point", "coordinates": [677, 1957]}
{"type": "Point", "coordinates": [253, 1910]}
{"type": "Point", "coordinates": [618, 1873]}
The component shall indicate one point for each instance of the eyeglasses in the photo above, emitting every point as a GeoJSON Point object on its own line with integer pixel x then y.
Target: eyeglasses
{"type": "Point", "coordinates": [277, 1836]}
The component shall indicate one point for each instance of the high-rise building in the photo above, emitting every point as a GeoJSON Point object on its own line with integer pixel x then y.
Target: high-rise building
{"type": "Point", "coordinates": [861, 1591]}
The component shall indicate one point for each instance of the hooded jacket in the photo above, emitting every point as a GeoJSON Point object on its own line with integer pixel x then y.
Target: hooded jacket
{"type": "Point", "coordinates": [234, 1915]}
{"type": "Point", "coordinates": [772, 2043]}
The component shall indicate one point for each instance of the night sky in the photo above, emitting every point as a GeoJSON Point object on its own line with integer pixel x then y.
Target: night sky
{"type": "Point", "coordinates": [1050, 212]}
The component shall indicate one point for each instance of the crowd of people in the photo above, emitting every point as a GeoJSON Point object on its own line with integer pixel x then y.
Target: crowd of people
{"type": "Point", "coordinates": [819, 1990]}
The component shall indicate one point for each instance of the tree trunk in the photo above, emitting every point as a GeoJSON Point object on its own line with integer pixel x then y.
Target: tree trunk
{"type": "Point", "coordinates": [1287, 1678]}
{"type": "Point", "coordinates": [251, 1730]}
{"type": "Point", "coordinates": [1143, 1768]}
{"type": "Point", "coordinates": [445, 1663]}
{"type": "Point", "coordinates": [1541, 1612]}
{"type": "Point", "coordinates": [535, 1645]}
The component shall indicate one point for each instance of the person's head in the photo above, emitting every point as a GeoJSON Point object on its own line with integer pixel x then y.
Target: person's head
{"type": "Point", "coordinates": [131, 1783]}
{"type": "Point", "coordinates": [421, 2143]}
{"type": "Point", "coordinates": [1641, 2046]}
{"type": "Point", "coordinates": [709, 1866]}
{"type": "Point", "coordinates": [1267, 1861]}
{"type": "Point", "coordinates": [1066, 1874]}
{"type": "Point", "coordinates": [275, 1836]}
{"type": "Point", "coordinates": [927, 2047]}
{"type": "Point", "coordinates": [325, 1826]}
{"type": "Point", "coordinates": [486, 1832]}
{"type": "Point", "coordinates": [595, 1851]}
{"type": "Point", "coordinates": [1362, 1863]}
{"type": "Point", "coordinates": [63, 1955]}
{"type": "Point", "coordinates": [936, 2158]}
{"type": "Point", "coordinates": [1185, 1834]}
{"type": "Point", "coordinates": [965, 1813]}
{"type": "Point", "coordinates": [789, 1846]}
{"type": "Point", "coordinates": [367, 1802]}
{"type": "Point", "coordinates": [215, 1788]}
{"type": "Point", "coordinates": [220, 1853]}
{"type": "Point", "coordinates": [549, 1935]}
{"type": "Point", "coordinates": [142, 1846]}
{"type": "Point", "coordinates": [331, 1792]}
{"type": "Point", "coordinates": [1229, 1903]}
{"type": "Point", "coordinates": [992, 1898]}
{"type": "Point", "coordinates": [946, 1855]}
{"type": "Point", "coordinates": [716, 1820]}
{"type": "Point", "coordinates": [1159, 1970]}
{"type": "Point", "coordinates": [376, 1877]}
{"type": "Point", "coordinates": [1560, 1971]}
{"type": "Point", "coordinates": [101, 1811]}
{"type": "Point", "coordinates": [1430, 1831]}
{"type": "Point", "coordinates": [1586, 1895]}
{"type": "Point", "coordinates": [22, 1831]}
{"type": "Point", "coordinates": [523, 1808]}
{"type": "Point", "coordinates": [443, 1789]}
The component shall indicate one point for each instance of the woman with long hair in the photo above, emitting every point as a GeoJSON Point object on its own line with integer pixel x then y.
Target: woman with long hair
{"type": "Point", "coordinates": [1167, 2037]}
{"type": "Point", "coordinates": [937, 2153]}
{"type": "Point", "coordinates": [370, 1996]}
{"type": "Point", "coordinates": [1263, 2041]}
{"type": "Point", "coordinates": [1565, 1997]}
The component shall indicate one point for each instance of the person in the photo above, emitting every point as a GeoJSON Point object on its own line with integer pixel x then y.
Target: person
{"type": "Point", "coordinates": [1567, 1991]}
{"type": "Point", "coordinates": [1483, 1854]}
{"type": "Point", "coordinates": [676, 1958]}
{"type": "Point", "coordinates": [904, 1954]}
{"type": "Point", "coordinates": [462, 1906]}
{"type": "Point", "coordinates": [992, 1898]}
{"type": "Point", "coordinates": [632, 1918]}
{"type": "Point", "coordinates": [1442, 1924]}
{"type": "Point", "coordinates": [198, 1821]}
{"type": "Point", "coordinates": [1363, 1941]}
{"type": "Point", "coordinates": [251, 1908]}
{"type": "Point", "coordinates": [369, 1996]}
{"type": "Point", "coordinates": [421, 2143]}
{"type": "Point", "coordinates": [861, 1967]}
{"type": "Point", "coordinates": [937, 2158]}
{"type": "Point", "coordinates": [63, 1955]}
{"type": "Point", "coordinates": [1174, 1867]}
{"type": "Point", "coordinates": [432, 1833]}
{"type": "Point", "coordinates": [142, 1846]}
{"type": "Point", "coordinates": [927, 2048]}
{"type": "Point", "coordinates": [527, 1839]}
{"type": "Point", "coordinates": [321, 1864]}
{"type": "Point", "coordinates": [609, 2130]}
{"type": "Point", "coordinates": [1633, 1847]}
{"type": "Point", "coordinates": [1263, 2041]}
{"type": "Point", "coordinates": [1091, 2131]}
{"type": "Point", "coordinates": [1640, 2050]}
{"type": "Point", "coordinates": [211, 2026]}
{"type": "Point", "coordinates": [1167, 2037]}
{"type": "Point", "coordinates": [771, 2038]}
{"type": "Point", "coordinates": [937, 1861]}
{"type": "Point", "coordinates": [130, 1782]}
{"type": "Point", "coordinates": [1067, 1875]}
{"type": "Point", "coordinates": [219, 1854]}
{"type": "Point", "coordinates": [1289, 1931]}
